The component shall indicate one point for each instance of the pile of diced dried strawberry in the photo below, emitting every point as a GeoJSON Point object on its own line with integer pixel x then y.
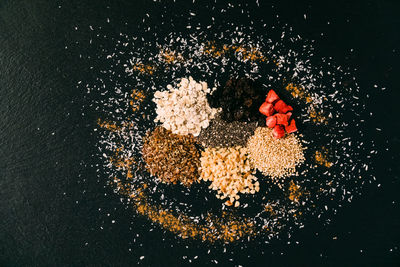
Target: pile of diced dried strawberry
{"type": "Point", "coordinates": [278, 115]}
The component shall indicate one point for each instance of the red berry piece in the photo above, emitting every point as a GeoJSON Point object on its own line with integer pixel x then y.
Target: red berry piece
{"type": "Point", "coordinates": [271, 121]}
{"type": "Point", "coordinates": [291, 127]}
{"type": "Point", "coordinates": [267, 109]}
{"type": "Point", "coordinates": [281, 107]}
{"type": "Point", "coordinates": [271, 97]}
{"type": "Point", "coordinates": [282, 119]}
{"type": "Point", "coordinates": [278, 131]}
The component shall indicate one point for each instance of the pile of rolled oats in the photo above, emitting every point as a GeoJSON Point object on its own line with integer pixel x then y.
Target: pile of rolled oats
{"type": "Point", "coordinates": [185, 109]}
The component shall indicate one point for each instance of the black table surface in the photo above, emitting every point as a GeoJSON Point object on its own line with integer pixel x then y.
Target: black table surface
{"type": "Point", "coordinates": [54, 211]}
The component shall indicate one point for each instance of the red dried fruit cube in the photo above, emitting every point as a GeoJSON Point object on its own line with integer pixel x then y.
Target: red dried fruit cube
{"type": "Point", "coordinates": [271, 97]}
{"type": "Point", "coordinates": [282, 119]}
{"type": "Point", "coordinates": [287, 108]}
{"type": "Point", "coordinates": [267, 109]}
{"type": "Point", "coordinates": [271, 121]}
{"type": "Point", "coordinates": [281, 107]}
{"type": "Point", "coordinates": [291, 127]}
{"type": "Point", "coordinates": [278, 131]}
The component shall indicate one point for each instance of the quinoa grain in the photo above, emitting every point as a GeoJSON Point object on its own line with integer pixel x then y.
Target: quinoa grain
{"type": "Point", "coordinates": [277, 158]}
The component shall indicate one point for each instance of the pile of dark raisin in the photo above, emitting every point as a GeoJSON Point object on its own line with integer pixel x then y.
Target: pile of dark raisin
{"type": "Point", "coordinates": [239, 100]}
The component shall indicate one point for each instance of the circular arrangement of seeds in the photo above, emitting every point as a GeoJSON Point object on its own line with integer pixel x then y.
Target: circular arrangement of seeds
{"type": "Point", "coordinates": [289, 154]}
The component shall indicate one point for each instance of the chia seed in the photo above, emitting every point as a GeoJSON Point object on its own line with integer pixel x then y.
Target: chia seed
{"type": "Point", "coordinates": [226, 134]}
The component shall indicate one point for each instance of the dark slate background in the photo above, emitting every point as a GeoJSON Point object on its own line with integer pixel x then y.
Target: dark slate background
{"type": "Point", "coordinates": [49, 201]}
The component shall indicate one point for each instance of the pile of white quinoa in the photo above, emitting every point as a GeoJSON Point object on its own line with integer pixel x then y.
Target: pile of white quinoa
{"type": "Point", "coordinates": [276, 158]}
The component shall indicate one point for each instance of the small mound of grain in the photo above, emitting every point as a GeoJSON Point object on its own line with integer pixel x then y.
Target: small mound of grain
{"type": "Point", "coordinates": [276, 158]}
{"type": "Point", "coordinates": [171, 157]}
{"type": "Point", "coordinates": [184, 110]}
{"type": "Point", "coordinates": [230, 173]}
{"type": "Point", "coordinates": [226, 134]}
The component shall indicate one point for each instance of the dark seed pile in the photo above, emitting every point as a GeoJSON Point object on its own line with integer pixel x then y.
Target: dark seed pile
{"type": "Point", "coordinates": [172, 158]}
{"type": "Point", "coordinates": [226, 134]}
{"type": "Point", "coordinates": [239, 100]}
